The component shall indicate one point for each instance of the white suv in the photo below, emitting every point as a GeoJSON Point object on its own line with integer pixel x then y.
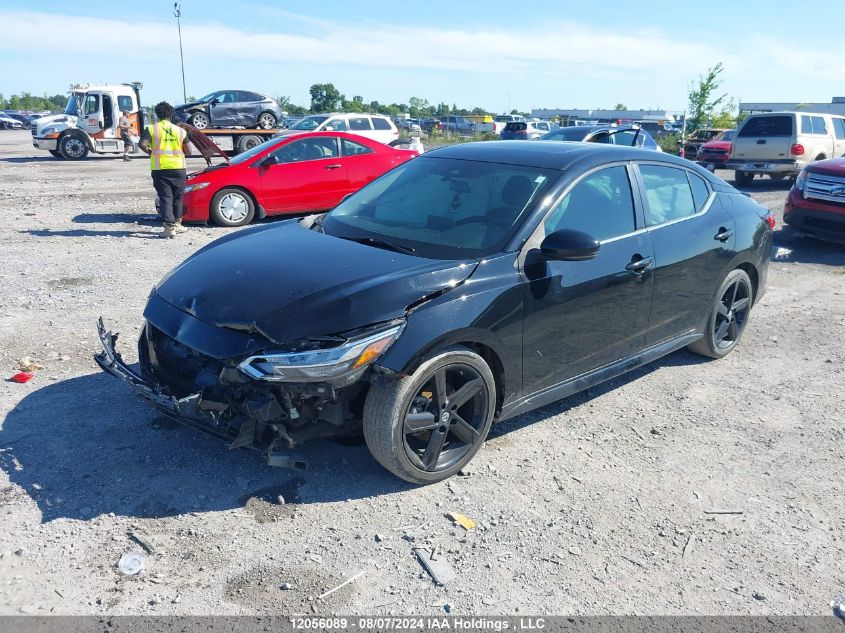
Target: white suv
{"type": "Point", "coordinates": [374, 126]}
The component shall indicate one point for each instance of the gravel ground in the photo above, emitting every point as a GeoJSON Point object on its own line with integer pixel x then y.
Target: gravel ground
{"type": "Point", "coordinates": [599, 504]}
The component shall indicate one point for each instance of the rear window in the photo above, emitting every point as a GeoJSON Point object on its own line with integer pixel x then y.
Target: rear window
{"type": "Point", "coordinates": [516, 126]}
{"type": "Point", "coordinates": [380, 124]}
{"type": "Point", "coordinates": [778, 125]}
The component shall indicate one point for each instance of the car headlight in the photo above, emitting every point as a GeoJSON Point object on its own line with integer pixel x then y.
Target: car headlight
{"type": "Point", "coordinates": [339, 365]}
{"type": "Point", "coordinates": [196, 186]}
{"type": "Point", "coordinates": [49, 130]}
{"type": "Point", "coordinates": [801, 180]}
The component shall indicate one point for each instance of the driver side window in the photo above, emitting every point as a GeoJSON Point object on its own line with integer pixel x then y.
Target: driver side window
{"type": "Point", "coordinates": [600, 205]}
{"type": "Point", "coordinates": [335, 125]}
{"type": "Point", "coordinates": [307, 149]}
{"type": "Point", "coordinates": [92, 104]}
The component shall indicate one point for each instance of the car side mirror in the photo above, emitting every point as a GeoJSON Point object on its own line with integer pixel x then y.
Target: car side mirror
{"type": "Point", "coordinates": [268, 161]}
{"type": "Point", "coordinates": [215, 101]}
{"type": "Point", "coordinates": [569, 246]}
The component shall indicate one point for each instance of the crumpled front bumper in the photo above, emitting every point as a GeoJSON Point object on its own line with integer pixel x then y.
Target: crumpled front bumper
{"type": "Point", "coordinates": [191, 410]}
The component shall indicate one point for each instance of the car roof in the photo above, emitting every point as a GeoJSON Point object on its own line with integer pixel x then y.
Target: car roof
{"type": "Point", "coordinates": [550, 154]}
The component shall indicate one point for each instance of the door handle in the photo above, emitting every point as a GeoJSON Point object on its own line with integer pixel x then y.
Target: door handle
{"type": "Point", "coordinates": [333, 166]}
{"type": "Point", "coordinates": [761, 141]}
{"type": "Point", "coordinates": [639, 266]}
{"type": "Point", "coordinates": [723, 235]}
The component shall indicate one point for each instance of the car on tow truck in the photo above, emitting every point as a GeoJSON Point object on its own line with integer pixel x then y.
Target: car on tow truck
{"type": "Point", "coordinates": [469, 285]}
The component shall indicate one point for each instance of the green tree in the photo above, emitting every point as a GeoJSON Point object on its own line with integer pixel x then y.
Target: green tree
{"type": "Point", "coordinates": [418, 106]}
{"type": "Point", "coordinates": [620, 106]}
{"type": "Point", "coordinates": [704, 105]}
{"type": "Point", "coordinates": [356, 105]}
{"type": "Point", "coordinates": [325, 98]}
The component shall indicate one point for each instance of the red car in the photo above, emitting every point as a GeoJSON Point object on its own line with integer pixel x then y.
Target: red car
{"type": "Point", "coordinates": [294, 173]}
{"type": "Point", "coordinates": [816, 202]}
{"type": "Point", "coordinates": [714, 154]}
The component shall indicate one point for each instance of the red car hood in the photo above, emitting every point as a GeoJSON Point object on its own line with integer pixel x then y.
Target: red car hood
{"type": "Point", "coordinates": [717, 145]}
{"type": "Point", "coordinates": [831, 167]}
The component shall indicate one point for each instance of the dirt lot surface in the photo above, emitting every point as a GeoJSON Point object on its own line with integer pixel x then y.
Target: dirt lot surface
{"type": "Point", "coordinates": [600, 504]}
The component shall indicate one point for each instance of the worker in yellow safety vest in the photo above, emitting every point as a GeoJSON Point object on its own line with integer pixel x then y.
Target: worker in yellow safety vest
{"type": "Point", "coordinates": [167, 145]}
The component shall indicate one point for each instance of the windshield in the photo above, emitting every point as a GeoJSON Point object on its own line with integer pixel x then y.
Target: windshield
{"type": "Point", "coordinates": [208, 98]}
{"type": "Point", "coordinates": [566, 134]}
{"type": "Point", "coordinates": [74, 103]}
{"type": "Point", "coordinates": [309, 123]}
{"type": "Point", "coordinates": [727, 135]}
{"type": "Point", "coordinates": [443, 208]}
{"type": "Point", "coordinates": [245, 156]}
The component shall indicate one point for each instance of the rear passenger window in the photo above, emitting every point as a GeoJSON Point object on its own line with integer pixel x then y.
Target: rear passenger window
{"type": "Point", "coordinates": [819, 126]}
{"type": "Point", "coordinates": [839, 128]}
{"type": "Point", "coordinates": [380, 124]}
{"type": "Point", "coordinates": [351, 148]}
{"type": "Point", "coordinates": [361, 123]}
{"type": "Point", "coordinates": [700, 191]}
{"type": "Point", "coordinates": [772, 125]}
{"type": "Point", "coordinates": [600, 205]}
{"type": "Point", "coordinates": [668, 194]}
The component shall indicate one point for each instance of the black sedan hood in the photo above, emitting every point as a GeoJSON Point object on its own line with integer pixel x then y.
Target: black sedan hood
{"type": "Point", "coordinates": [286, 283]}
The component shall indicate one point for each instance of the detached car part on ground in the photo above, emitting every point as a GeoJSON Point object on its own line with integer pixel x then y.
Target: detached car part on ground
{"type": "Point", "coordinates": [469, 285]}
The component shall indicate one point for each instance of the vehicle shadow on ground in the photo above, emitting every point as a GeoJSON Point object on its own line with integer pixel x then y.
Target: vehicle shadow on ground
{"type": "Point", "coordinates": [87, 446]}
{"type": "Point", "coordinates": [764, 185]}
{"type": "Point", "coordinates": [90, 233]}
{"type": "Point", "coordinates": [114, 218]}
{"type": "Point", "coordinates": [791, 247]}
{"type": "Point", "coordinates": [31, 159]}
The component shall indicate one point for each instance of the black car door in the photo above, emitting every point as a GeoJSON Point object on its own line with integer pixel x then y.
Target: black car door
{"type": "Point", "coordinates": [580, 315]}
{"type": "Point", "coordinates": [693, 241]}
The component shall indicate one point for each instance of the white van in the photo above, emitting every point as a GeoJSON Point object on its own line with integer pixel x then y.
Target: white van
{"type": "Point", "coordinates": [781, 144]}
{"type": "Point", "coordinates": [374, 126]}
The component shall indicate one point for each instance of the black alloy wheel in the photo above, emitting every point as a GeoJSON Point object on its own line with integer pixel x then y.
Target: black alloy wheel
{"type": "Point", "coordinates": [732, 314]}
{"type": "Point", "coordinates": [425, 427]}
{"type": "Point", "coordinates": [728, 316]}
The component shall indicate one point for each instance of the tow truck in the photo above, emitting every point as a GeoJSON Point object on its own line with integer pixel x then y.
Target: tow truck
{"type": "Point", "coordinates": [89, 124]}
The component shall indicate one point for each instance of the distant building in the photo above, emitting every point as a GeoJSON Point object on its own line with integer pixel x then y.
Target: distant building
{"type": "Point", "coordinates": [571, 116]}
{"type": "Point", "coordinates": [836, 106]}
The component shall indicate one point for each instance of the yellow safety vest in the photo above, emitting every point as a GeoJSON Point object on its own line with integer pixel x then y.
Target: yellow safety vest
{"type": "Point", "coordinates": [166, 147]}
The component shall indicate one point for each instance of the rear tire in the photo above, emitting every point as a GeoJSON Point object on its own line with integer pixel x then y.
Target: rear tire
{"type": "Point", "coordinates": [199, 120]}
{"type": "Point", "coordinates": [267, 121]}
{"type": "Point", "coordinates": [73, 147]}
{"type": "Point", "coordinates": [426, 427]}
{"type": "Point", "coordinates": [743, 178]}
{"type": "Point", "coordinates": [728, 317]}
{"type": "Point", "coordinates": [232, 207]}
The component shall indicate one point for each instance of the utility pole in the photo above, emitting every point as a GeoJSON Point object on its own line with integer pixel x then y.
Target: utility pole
{"type": "Point", "coordinates": [177, 13]}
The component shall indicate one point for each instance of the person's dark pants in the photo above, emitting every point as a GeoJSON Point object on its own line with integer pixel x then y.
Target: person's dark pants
{"type": "Point", "coordinates": [170, 187]}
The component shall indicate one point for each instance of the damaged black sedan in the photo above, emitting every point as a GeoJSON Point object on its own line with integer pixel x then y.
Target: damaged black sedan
{"type": "Point", "coordinates": [467, 286]}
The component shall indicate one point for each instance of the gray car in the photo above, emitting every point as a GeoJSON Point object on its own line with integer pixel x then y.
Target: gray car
{"type": "Point", "coordinates": [231, 108]}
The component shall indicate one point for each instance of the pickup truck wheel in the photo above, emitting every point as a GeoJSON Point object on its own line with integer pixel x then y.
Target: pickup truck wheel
{"type": "Point", "coordinates": [743, 178]}
{"type": "Point", "coordinates": [425, 427]}
{"type": "Point", "coordinates": [199, 120]}
{"type": "Point", "coordinates": [56, 153]}
{"type": "Point", "coordinates": [232, 207]}
{"type": "Point", "coordinates": [73, 147]}
{"type": "Point", "coordinates": [266, 121]}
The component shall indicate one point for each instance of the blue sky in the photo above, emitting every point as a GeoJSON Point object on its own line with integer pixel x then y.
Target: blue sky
{"type": "Point", "coordinates": [538, 54]}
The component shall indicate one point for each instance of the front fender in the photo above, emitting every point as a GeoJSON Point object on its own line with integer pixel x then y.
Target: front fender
{"type": "Point", "coordinates": [484, 313]}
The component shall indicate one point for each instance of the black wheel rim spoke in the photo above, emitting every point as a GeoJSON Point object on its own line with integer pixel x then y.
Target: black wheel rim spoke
{"type": "Point", "coordinates": [444, 419]}
{"type": "Point", "coordinates": [731, 312]}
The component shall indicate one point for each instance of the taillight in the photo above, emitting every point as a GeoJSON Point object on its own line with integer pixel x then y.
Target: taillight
{"type": "Point", "coordinates": [770, 220]}
{"type": "Point", "coordinates": [797, 149]}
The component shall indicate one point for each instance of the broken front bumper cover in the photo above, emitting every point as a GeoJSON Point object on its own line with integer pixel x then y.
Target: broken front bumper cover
{"type": "Point", "coordinates": [190, 410]}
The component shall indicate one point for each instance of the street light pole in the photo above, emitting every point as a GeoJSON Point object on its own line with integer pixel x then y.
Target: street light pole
{"type": "Point", "coordinates": [177, 13]}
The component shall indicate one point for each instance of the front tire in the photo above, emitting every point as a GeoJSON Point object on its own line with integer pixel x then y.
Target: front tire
{"type": "Point", "coordinates": [199, 120]}
{"type": "Point", "coordinates": [73, 147]}
{"type": "Point", "coordinates": [743, 178]}
{"type": "Point", "coordinates": [232, 207]}
{"type": "Point", "coordinates": [266, 121]}
{"type": "Point", "coordinates": [425, 427]}
{"type": "Point", "coordinates": [728, 316]}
